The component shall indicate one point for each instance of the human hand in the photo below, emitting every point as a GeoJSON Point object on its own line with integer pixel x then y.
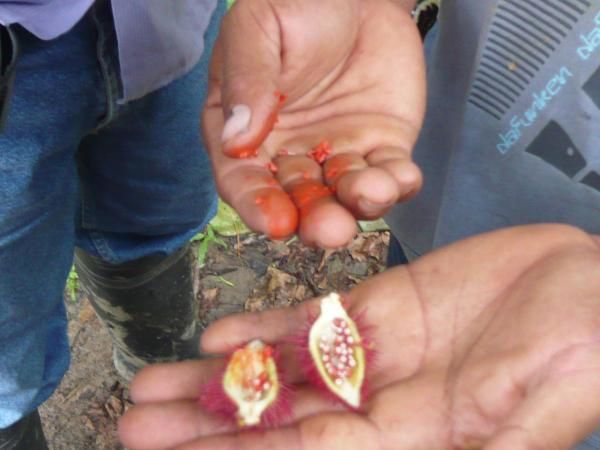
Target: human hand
{"type": "Point", "coordinates": [492, 343]}
{"type": "Point", "coordinates": [353, 74]}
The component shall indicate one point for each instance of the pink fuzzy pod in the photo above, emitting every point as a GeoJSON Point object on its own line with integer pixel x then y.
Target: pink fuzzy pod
{"type": "Point", "coordinates": [335, 353]}
{"type": "Point", "coordinates": [250, 389]}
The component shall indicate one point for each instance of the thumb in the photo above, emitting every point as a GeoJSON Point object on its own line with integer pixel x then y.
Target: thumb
{"type": "Point", "coordinates": [271, 326]}
{"type": "Point", "coordinates": [561, 411]}
{"type": "Point", "coordinates": [251, 66]}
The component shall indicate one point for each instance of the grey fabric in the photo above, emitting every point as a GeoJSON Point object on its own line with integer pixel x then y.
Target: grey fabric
{"type": "Point", "coordinates": [592, 442]}
{"type": "Point", "coordinates": [512, 132]}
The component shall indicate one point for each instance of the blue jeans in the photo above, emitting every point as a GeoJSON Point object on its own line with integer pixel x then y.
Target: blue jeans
{"type": "Point", "coordinates": [77, 168]}
{"type": "Point", "coordinates": [397, 256]}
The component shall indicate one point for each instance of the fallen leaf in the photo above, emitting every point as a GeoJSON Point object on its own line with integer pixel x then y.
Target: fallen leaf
{"type": "Point", "coordinates": [255, 304]}
{"type": "Point", "coordinates": [326, 254]}
{"type": "Point", "coordinates": [116, 403]}
{"type": "Point", "coordinates": [209, 296]}
{"type": "Point", "coordinates": [373, 225]}
{"type": "Point", "coordinates": [300, 293]}
{"type": "Point", "coordinates": [323, 284]}
{"type": "Point", "coordinates": [96, 411]}
{"type": "Point", "coordinates": [279, 279]}
{"type": "Point", "coordinates": [371, 246]}
{"type": "Point", "coordinates": [89, 423]}
{"type": "Point", "coordinates": [76, 392]}
{"type": "Point", "coordinates": [279, 249]}
{"type": "Point", "coordinates": [227, 222]}
{"type": "Point", "coordinates": [356, 248]}
{"type": "Point", "coordinates": [86, 314]}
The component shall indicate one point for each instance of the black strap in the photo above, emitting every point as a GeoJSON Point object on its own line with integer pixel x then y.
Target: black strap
{"type": "Point", "coordinates": [26, 434]}
{"type": "Point", "coordinates": [8, 59]}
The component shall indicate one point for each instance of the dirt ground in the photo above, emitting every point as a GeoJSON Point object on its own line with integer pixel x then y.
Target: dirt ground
{"type": "Point", "coordinates": [250, 273]}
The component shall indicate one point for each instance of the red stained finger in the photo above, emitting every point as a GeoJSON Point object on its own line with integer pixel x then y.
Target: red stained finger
{"type": "Point", "coordinates": [323, 222]}
{"type": "Point", "coordinates": [251, 189]}
{"type": "Point", "coordinates": [308, 194]}
{"type": "Point", "coordinates": [249, 186]}
{"type": "Point", "coordinates": [370, 186]}
{"type": "Point", "coordinates": [339, 165]}
{"type": "Point", "coordinates": [293, 169]}
{"type": "Point", "coordinates": [280, 214]}
{"type": "Point", "coordinates": [248, 73]}
{"type": "Point", "coordinates": [248, 146]}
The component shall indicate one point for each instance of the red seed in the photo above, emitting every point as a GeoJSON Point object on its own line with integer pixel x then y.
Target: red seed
{"type": "Point", "coordinates": [320, 152]}
{"type": "Point", "coordinates": [267, 353]}
{"type": "Point", "coordinates": [281, 97]}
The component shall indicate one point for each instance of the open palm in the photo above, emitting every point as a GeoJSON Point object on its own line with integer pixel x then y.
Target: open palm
{"type": "Point", "coordinates": [353, 76]}
{"type": "Point", "coordinates": [490, 343]}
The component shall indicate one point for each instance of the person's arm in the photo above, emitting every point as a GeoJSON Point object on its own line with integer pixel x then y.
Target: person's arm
{"type": "Point", "coordinates": [345, 76]}
{"type": "Point", "coordinates": [492, 343]}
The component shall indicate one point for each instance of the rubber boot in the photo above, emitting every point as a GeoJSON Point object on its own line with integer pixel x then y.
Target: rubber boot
{"type": "Point", "coordinates": [147, 304]}
{"type": "Point", "coordinates": [26, 434]}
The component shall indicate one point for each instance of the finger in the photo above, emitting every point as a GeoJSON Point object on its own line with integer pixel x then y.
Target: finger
{"type": "Point", "coordinates": [251, 66]}
{"type": "Point", "coordinates": [167, 424]}
{"type": "Point", "coordinates": [173, 381]}
{"type": "Point", "coordinates": [562, 410]}
{"type": "Point", "coordinates": [258, 198]}
{"type": "Point", "coordinates": [183, 380]}
{"type": "Point", "coordinates": [249, 186]}
{"type": "Point", "coordinates": [333, 431]}
{"type": "Point", "coordinates": [323, 221]}
{"type": "Point", "coordinates": [366, 191]}
{"type": "Point", "coordinates": [369, 166]}
{"type": "Point", "coordinates": [398, 163]}
{"type": "Point", "coordinates": [341, 164]}
{"type": "Point", "coordinates": [271, 326]}
{"type": "Point", "coordinates": [400, 349]}
{"type": "Point", "coordinates": [261, 202]}
{"type": "Point", "coordinates": [158, 426]}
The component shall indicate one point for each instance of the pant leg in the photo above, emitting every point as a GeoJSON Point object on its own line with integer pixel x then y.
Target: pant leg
{"type": "Point", "coordinates": [147, 180]}
{"type": "Point", "coordinates": [51, 108]}
{"type": "Point", "coordinates": [396, 255]}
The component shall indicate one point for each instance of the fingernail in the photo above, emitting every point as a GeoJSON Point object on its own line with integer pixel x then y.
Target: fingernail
{"type": "Point", "coordinates": [370, 208]}
{"type": "Point", "coordinates": [237, 123]}
{"type": "Point", "coordinates": [409, 193]}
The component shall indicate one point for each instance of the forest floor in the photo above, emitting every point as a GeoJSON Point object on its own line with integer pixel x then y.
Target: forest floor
{"type": "Point", "coordinates": [238, 273]}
